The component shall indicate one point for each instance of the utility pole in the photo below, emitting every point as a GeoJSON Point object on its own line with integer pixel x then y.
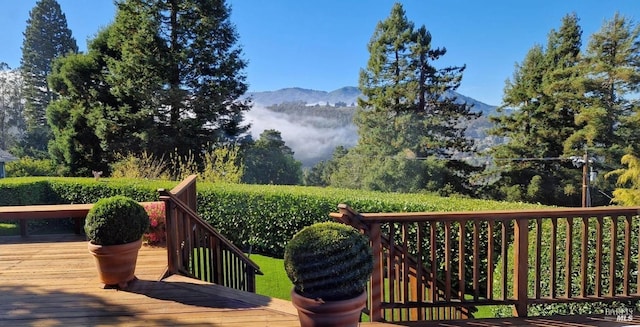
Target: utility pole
{"type": "Point", "coordinates": [586, 198]}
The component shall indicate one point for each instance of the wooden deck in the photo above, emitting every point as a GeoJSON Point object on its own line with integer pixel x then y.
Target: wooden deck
{"type": "Point", "coordinates": [51, 281]}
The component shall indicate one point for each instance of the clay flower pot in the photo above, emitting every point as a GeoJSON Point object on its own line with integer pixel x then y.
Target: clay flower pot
{"type": "Point", "coordinates": [318, 313]}
{"type": "Point", "coordinates": [116, 263]}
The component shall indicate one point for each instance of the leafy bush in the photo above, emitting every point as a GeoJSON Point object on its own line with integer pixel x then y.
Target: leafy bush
{"type": "Point", "coordinates": [25, 191]}
{"type": "Point", "coordinates": [27, 166]}
{"type": "Point", "coordinates": [329, 261]}
{"type": "Point", "coordinates": [157, 233]}
{"type": "Point", "coordinates": [142, 166]}
{"type": "Point", "coordinates": [116, 220]}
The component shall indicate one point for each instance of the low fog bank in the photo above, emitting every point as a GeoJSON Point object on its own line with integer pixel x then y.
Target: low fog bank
{"type": "Point", "coordinates": [312, 139]}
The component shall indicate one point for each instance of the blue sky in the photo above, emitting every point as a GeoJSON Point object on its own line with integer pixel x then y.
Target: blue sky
{"type": "Point", "coordinates": [322, 44]}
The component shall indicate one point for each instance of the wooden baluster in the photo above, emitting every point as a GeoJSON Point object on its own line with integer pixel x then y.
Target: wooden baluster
{"type": "Point", "coordinates": [521, 269]}
{"type": "Point", "coordinates": [598, 268]}
{"type": "Point", "coordinates": [568, 257]}
{"type": "Point", "coordinates": [538, 256]}
{"type": "Point", "coordinates": [377, 277]}
{"type": "Point", "coordinates": [584, 257]}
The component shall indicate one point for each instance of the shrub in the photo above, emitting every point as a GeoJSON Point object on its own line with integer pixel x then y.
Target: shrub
{"type": "Point", "coordinates": [116, 220]}
{"type": "Point", "coordinates": [328, 261]}
{"type": "Point", "coordinates": [142, 166]}
{"type": "Point", "coordinates": [27, 166]}
{"type": "Point", "coordinates": [157, 233]}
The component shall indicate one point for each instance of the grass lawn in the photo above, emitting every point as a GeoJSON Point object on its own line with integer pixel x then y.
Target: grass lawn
{"type": "Point", "coordinates": [7, 229]}
{"type": "Point", "coordinates": [274, 282]}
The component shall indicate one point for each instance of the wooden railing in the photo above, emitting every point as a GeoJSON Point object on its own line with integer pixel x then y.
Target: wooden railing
{"type": "Point", "coordinates": [196, 249]}
{"type": "Point", "coordinates": [516, 258]}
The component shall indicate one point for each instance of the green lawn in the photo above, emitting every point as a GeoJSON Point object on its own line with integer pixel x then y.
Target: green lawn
{"type": "Point", "coordinates": [274, 282]}
{"type": "Point", "coordinates": [7, 229]}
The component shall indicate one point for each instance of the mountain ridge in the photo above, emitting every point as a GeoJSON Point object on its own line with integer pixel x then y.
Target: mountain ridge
{"type": "Point", "coordinates": [345, 94]}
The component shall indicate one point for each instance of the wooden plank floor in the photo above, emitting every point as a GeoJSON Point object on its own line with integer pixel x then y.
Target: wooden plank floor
{"type": "Point", "coordinates": [51, 281]}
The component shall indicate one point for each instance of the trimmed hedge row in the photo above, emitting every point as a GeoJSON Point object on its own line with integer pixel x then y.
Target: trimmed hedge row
{"type": "Point", "coordinates": [59, 190]}
{"type": "Point", "coordinates": [257, 218]}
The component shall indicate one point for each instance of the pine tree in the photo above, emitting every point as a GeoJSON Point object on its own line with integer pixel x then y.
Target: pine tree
{"type": "Point", "coordinates": [537, 117]}
{"type": "Point", "coordinates": [46, 37]}
{"type": "Point", "coordinates": [180, 60]}
{"type": "Point", "coordinates": [409, 110]}
{"type": "Point", "coordinates": [164, 78]}
{"type": "Point", "coordinates": [409, 104]}
{"type": "Point", "coordinates": [610, 116]}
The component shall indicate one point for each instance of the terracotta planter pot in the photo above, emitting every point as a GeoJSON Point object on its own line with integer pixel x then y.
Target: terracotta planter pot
{"type": "Point", "coordinates": [116, 263]}
{"type": "Point", "coordinates": [315, 313]}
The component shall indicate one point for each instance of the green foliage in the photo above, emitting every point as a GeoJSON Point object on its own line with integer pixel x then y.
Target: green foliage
{"type": "Point", "coordinates": [137, 88]}
{"type": "Point", "coordinates": [46, 37]}
{"type": "Point", "coordinates": [25, 191]}
{"type": "Point", "coordinates": [628, 191]}
{"type": "Point", "coordinates": [329, 261]}
{"type": "Point", "coordinates": [27, 166]}
{"type": "Point", "coordinates": [265, 217]}
{"type": "Point", "coordinates": [142, 166]}
{"type": "Point", "coordinates": [608, 116]}
{"type": "Point", "coordinates": [195, 69]}
{"type": "Point", "coordinates": [116, 220]}
{"type": "Point", "coordinates": [408, 111]}
{"type": "Point", "coordinates": [270, 161]}
{"type": "Point", "coordinates": [222, 165]}
{"type": "Point", "coordinates": [262, 218]}
{"type": "Point", "coordinates": [537, 118]}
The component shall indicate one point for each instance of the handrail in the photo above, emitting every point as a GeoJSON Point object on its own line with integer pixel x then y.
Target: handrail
{"type": "Point", "coordinates": [196, 249]}
{"type": "Point", "coordinates": [23, 213]}
{"type": "Point", "coordinates": [462, 249]}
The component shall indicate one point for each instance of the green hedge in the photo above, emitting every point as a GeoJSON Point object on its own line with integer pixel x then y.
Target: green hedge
{"type": "Point", "coordinates": [257, 218]}
{"type": "Point", "coordinates": [58, 190]}
{"type": "Point", "coordinates": [576, 253]}
{"type": "Point", "coordinates": [264, 217]}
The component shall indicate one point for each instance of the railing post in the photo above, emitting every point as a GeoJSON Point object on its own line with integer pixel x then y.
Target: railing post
{"type": "Point", "coordinates": [171, 229]}
{"type": "Point", "coordinates": [377, 276]}
{"type": "Point", "coordinates": [521, 266]}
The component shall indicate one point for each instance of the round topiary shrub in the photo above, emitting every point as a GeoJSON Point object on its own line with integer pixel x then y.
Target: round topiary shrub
{"type": "Point", "coordinates": [328, 261]}
{"type": "Point", "coordinates": [116, 220]}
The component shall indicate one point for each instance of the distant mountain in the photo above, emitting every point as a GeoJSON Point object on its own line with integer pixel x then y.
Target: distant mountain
{"type": "Point", "coordinates": [348, 95]}
{"type": "Point", "coordinates": [314, 130]}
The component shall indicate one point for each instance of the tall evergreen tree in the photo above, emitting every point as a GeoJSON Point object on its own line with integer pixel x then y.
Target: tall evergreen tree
{"type": "Point", "coordinates": [610, 116]}
{"type": "Point", "coordinates": [537, 117]}
{"type": "Point", "coordinates": [46, 37]}
{"type": "Point", "coordinates": [166, 76]}
{"type": "Point", "coordinates": [91, 125]}
{"type": "Point", "coordinates": [409, 109]}
{"type": "Point", "coordinates": [180, 60]}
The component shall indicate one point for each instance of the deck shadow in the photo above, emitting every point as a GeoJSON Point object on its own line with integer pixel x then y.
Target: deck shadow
{"type": "Point", "coordinates": [27, 305]}
{"type": "Point", "coordinates": [197, 294]}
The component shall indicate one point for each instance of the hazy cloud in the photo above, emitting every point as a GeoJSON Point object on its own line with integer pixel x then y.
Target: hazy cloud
{"type": "Point", "coordinates": [309, 142]}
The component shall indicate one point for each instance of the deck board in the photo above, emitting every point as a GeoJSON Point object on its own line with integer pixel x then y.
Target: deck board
{"type": "Point", "coordinates": [50, 281]}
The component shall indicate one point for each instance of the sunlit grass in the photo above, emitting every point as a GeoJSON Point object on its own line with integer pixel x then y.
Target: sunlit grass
{"type": "Point", "coordinates": [7, 229]}
{"type": "Point", "coordinates": [274, 283]}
